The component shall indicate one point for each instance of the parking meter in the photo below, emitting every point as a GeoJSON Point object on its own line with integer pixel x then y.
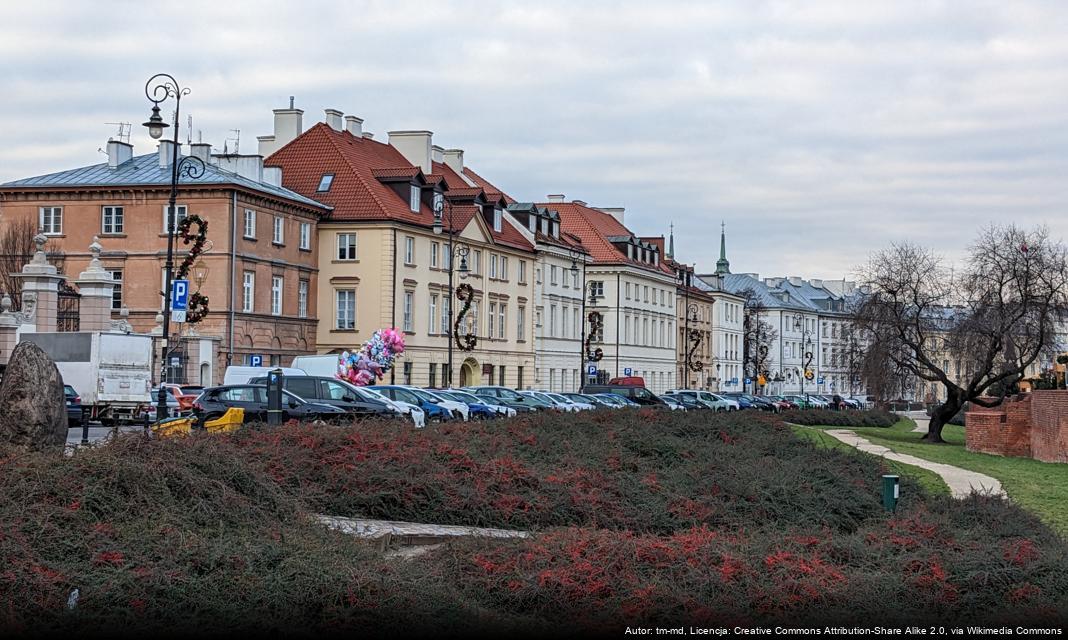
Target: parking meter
{"type": "Point", "coordinates": [274, 397]}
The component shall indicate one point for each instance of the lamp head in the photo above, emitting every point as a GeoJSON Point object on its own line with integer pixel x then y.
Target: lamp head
{"type": "Point", "coordinates": [155, 124]}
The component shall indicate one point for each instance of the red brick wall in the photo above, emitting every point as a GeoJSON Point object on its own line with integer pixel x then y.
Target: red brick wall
{"type": "Point", "coordinates": [1033, 425]}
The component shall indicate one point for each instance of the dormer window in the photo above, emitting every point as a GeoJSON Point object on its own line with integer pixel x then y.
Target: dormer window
{"type": "Point", "coordinates": [413, 199]}
{"type": "Point", "coordinates": [545, 226]}
{"type": "Point", "coordinates": [532, 223]}
{"type": "Point", "coordinates": [498, 219]}
{"type": "Point", "coordinates": [325, 182]}
{"type": "Point", "coordinates": [556, 229]}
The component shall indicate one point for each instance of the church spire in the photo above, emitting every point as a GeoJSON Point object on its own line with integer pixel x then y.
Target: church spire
{"type": "Point", "coordinates": [723, 266]}
{"type": "Point", "coordinates": [671, 242]}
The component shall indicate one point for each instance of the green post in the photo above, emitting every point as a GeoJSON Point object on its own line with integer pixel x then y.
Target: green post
{"type": "Point", "coordinates": [890, 492]}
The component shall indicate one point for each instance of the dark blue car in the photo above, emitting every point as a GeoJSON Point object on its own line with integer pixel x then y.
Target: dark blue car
{"type": "Point", "coordinates": [479, 411]}
{"type": "Point", "coordinates": [434, 413]}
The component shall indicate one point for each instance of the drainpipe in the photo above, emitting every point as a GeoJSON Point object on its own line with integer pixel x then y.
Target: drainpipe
{"type": "Point", "coordinates": [233, 272]}
{"type": "Point", "coordinates": [393, 370]}
{"type": "Point", "coordinates": [617, 323]}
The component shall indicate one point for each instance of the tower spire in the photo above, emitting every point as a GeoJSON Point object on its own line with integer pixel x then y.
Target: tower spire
{"type": "Point", "coordinates": [671, 242]}
{"type": "Point", "coordinates": [723, 265]}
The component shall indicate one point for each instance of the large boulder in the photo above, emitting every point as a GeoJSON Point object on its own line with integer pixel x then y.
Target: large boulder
{"type": "Point", "coordinates": [33, 408]}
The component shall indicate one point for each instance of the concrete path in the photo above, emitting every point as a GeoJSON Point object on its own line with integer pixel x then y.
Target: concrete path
{"type": "Point", "coordinates": [386, 534]}
{"type": "Point", "coordinates": [961, 482]}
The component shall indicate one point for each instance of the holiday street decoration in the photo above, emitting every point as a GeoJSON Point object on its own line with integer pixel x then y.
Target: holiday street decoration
{"type": "Point", "coordinates": [695, 341]}
{"type": "Point", "coordinates": [596, 324]}
{"type": "Point", "coordinates": [465, 293]}
{"type": "Point", "coordinates": [198, 302]}
{"type": "Point", "coordinates": [373, 360]}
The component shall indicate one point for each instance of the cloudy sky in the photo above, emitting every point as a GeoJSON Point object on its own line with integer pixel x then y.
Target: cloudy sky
{"type": "Point", "coordinates": [816, 130]}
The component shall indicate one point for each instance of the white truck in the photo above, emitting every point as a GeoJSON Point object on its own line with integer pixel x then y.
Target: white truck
{"type": "Point", "coordinates": [112, 372]}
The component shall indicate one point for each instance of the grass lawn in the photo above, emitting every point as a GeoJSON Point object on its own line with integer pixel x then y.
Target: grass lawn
{"type": "Point", "coordinates": [1040, 487]}
{"type": "Point", "coordinates": [931, 482]}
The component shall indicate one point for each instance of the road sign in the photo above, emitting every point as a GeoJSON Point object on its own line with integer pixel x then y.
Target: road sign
{"type": "Point", "coordinates": [179, 300]}
{"type": "Point", "coordinates": [627, 371]}
{"type": "Point", "coordinates": [255, 361]}
{"type": "Point", "coordinates": [748, 381]}
{"type": "Point", "coordinates": [819, 380]}
{"type": "Point", "coordinates": [175, 361]}
{"type": "Point", "coordinates": [592, 370]}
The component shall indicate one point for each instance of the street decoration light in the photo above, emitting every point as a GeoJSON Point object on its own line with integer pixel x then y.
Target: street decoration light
{"type": "Point", "coordinates": [693, 336]}
{"type": "Point", "coordinates": [806, 362]}
{"type": "Point", "coordinates": [465, 293]}
{"type": "Point", "coordinates": [159, 88]}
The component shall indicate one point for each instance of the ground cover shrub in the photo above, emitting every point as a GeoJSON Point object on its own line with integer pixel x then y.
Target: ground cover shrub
{"type": "Point", "coordinates": [648, 472]}
{"type": "Point", "coordinates": [844, 418]}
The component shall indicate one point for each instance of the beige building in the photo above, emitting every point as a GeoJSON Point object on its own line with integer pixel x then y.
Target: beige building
{"type": "Point", "coordinates": [383, 265]}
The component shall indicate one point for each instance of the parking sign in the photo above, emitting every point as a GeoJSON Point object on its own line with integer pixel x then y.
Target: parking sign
{"type": "Point", "coordinates": [179, 300]}
{"type": "Point", "coordinates": [255, 361]}
{"type": "Point", "coordinates": [592, 370]}
{"type": "Point", "coordinates": [628, 371]}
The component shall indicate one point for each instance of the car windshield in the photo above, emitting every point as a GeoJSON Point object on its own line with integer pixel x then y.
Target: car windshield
{"type": "Point", "coordinates": [559, 398]}
{"type": "Point", "coordinates": [292, 397]}
{"type": "Point", "coordinates": [423, 395]}
{"type": "Point", "coordinates": [469, 398]}
{"type": "Point", "coordinates": [580, 397]}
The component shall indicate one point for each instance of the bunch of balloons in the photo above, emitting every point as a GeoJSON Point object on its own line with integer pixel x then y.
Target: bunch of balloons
{"type": "Point", "coordinates": [373, 360]}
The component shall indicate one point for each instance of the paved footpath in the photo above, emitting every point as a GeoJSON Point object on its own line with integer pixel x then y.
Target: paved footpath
{"type": "Point", "coordinates": [961, 482]}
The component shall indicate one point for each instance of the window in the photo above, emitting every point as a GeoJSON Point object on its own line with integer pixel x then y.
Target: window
{"type": "Point", "coordinates": [446, 257]}
{"type": "Point", "coordinates": [433, 312]}
{"type": "Point", "coordinates": [473, 317]}
{"type": "Point", "coordinates": [522, 272]}
{"type": "Point", "coordinates": [434, 246]}
{"type": "Point", "coordinates": [325, 182]}
{"type": "Point", "coordinates": [493, 265]}
{"type": "Point", "coordinates": [305, 236]}
{"type": "Point", "coordinates": [433, 380]}
{"type": "Point", "coordinates": [552, 321]}
{"type": "Point", "coordinates": [408, 373]}
{"type": "Point", "coordinates": [563, 321]}
{"type": "Point", "coordinates": [626, 329]}
{"type": "Point", "coordinates": [250, 224]}
{"type": "Point", "coordinates": [661, 297]}
{"type": "Point", "coordinates": [445, 303]}
{"type": "Point", "coordinates": [646, 292]}
{"type": "Point", "coordinates": [476, 264]}
{"type": "Point", "coordinates": [574, 280]}
{"type": "Point", "coordinates": [498, 218]}
{"type": "Point", "coordinates": [413, 198]}
{"type": "Point", "coordinates": [500, 375]}
{"type": "Point", "coordinates": [248, 292]}
{"type": "Point", "coordinates": [409, 250]}
{"type": "Point", "coordinates": [575, 321]}
{"type": "Point", "coordinates": [537, 275]}
{"type": "Point", "coordinates": [302, 299]}
{"type": "Point", "coordinates": [180, 212]}
{"type": "Point", "coordinates": [521, 323]}
{"type": "Point", "coordinates": [500, 324]}
{"type": "Point", "coordinates": [276, 295]}
{"type": "Point", "coordinates": [51, 220]}
{"type": "Point", "coordinates": [492, 313]}
{"type": "Point", "coordinates": [346, 309]}
{"type": "Point", "coordinates": [116, 293]}
{"type": "Point", "coordinates": [112, 220]}
{"type": "Point", "coordinates": [597, 288]}
{"type": "Point", "coordinates": [504, 267]}
{"type": "Point", "coordinates": [552, 274]}
{"type": "Point", "coordinates": [626, 291]}
{"type": "Point", "coordinates": [519, 373]}
{"type": "Point", "coordinates": [346, 246]}
{"type": "Point", "coordinates": [279, 229]}
{"type": "Point", "coordinates": [409, 302]}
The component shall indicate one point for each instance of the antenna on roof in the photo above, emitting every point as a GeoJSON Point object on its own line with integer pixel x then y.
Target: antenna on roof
{"type": "Point", "coordinates": [123, 133]}
{"type": "Point", "coordinates": [237, 140]}
{"type": "Point", "coordinates": [290, 102]}
{"type": "Point", "coordinates": [189, 130]}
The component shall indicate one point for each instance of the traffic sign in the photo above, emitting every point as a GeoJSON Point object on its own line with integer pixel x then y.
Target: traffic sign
{"type": "Point", "coordinates": [627, 371]}
{"type": "Point", "coordinates": [819, 380]}
{"type": "Point", "coordinates": [748, 381]}
{"type": "Point", "coordinates": [179, 300]}
{"type": "Point", "coordinates": [592, 370]}
{"type": "Point", "coordinates": [255, 361]}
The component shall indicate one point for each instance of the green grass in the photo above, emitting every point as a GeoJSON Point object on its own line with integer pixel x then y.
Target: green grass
{"type": "Point", "coordinates": [1040, 487]}
{"type": "Point", "coordinates": [931, 482]}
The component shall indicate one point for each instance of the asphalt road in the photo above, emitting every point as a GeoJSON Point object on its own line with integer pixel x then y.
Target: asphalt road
{"type": "Point", "coordinates": [97, 433]}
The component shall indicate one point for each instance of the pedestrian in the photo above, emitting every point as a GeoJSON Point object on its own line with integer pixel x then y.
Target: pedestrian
{"type": "Point", "coordinates": [838, 402]}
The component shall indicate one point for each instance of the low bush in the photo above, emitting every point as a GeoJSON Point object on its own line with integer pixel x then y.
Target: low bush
{"type": "Point", "coordinates": [845, 418]}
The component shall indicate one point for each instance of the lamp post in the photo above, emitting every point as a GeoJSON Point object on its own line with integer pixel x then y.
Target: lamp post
{"type": "Point", "coordinates": [159, 88]}
{"type": "Point", "coordinates": [440, 206]}
{"type": "Point", "coordinates": [575, 255]}
{"type": "Point", "coordinates": [591, 355]}
{"type": "Point", "coordinates": [806, 355]}
{"type": "Point", "coordinates": [692, 337]}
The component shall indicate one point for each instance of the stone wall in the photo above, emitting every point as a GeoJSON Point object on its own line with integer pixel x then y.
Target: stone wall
{"type": "Point", "coordinates": [1033, 425]}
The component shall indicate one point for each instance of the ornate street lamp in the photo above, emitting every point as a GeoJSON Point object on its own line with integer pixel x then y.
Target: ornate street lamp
{"type": "Point", "coordinates": [159, 88]}
{"type": "Point", "coordinates": [806, 361]}
{"type": "Point", "coordinates": [693, 336]}
{"type": "Point", "coordinates": [465, 293]}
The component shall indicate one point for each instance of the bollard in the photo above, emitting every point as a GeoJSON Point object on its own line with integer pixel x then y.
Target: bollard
{"type": "Point", "coordinates": [890, 492]}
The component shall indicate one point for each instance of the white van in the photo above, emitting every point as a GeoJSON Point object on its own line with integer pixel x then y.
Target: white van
{"type": "Point", "coordinates": [318, 365]}
{"type": "Point", "coordinates": [242, 374]}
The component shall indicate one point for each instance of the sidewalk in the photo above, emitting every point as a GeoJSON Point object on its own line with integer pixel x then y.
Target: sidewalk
{"type": "Point", "coordinates": [961, 482]}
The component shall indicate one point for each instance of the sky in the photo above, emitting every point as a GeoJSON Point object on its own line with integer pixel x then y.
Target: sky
{"type": "Point", "coordinates": [817, 131]}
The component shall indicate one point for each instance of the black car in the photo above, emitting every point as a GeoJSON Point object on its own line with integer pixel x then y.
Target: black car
{"type": "Point", "coordinates": [253, 399]}
{"type": "Point", "coordinates": [75, 415]}
{"type": "Point", "coordinates": [324, 390]}
{"type": "Point", "coordinates": [641, 395]}
{"type": "Point", "coordinates": [688, 403]}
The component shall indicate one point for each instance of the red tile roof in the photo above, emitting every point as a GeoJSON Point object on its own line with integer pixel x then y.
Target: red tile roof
{"type": "Point", "coordinates": [593, 228]}
{"type": "Point", "coordinates": [487, 185]}
{"type": "Point", "coordinates": [357, 193]}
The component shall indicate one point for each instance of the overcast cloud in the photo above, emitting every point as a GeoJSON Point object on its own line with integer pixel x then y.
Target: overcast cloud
{"type": "Point", "coordinates": [818, 131]}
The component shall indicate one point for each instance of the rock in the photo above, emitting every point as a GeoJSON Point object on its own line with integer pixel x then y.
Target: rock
{"type": "Point", "coordinates": [33, 407]}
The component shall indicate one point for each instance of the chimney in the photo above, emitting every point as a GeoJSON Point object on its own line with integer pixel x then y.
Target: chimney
{"type": "Point", "coordinates": [248, 166]}
{"type": "Point", "coordinates": [166, 153]}
{"type": "Point", "coordinates": [816, 283]}
{"type": "Point", "coordinates": [273, 175]}
{"type": "Point", "coordinates": [288, 124]}
{"type": "Point", "coordinates": [118, 152]}
{"type": "Point", "coordinates": [555, 197]}
{"type": "Point", "coordinates": [615, 212]}
{"type": "Point", "coordinates": [795, 280]}
{"type": "Point", "coordinates": [201, 150]}
{"type": "Point", "coordinates": [368, 135]}
{"type": "Point", "coordinates": [454, 159]}
{"type": "Point", "coordinates": [354, 126]}
{"type": "Point", "coordinates": [333, 119]}
{"type": "Point", "coordinates": [437, 154]}
{"type": "Point", "coordinates": [415, 147]}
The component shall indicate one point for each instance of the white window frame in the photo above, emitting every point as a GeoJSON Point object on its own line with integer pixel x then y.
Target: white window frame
{"type": "Point", "coordinates": [498, 219]}
{"type": "Point", "coordinates": [54, 214]}
{"type": "Point", "coordinates": [414, 194]}
{"type": "Point", "coordinates": [339, 319]}
{"type": "Point", "coordinates": [302, 298]}
{"type": "Point", "coordinates": [409, 305]}
{"type": "Point", "coordinates": [248, 292]}
{"type": "Point", "coordinates": [278, 230]}
{"type": "Point", "coordinates": [181, 211]}
{"type": "Point", "coordinates": [522, 272]}
{"type": "Point", "coordinates": [409, 250]}
{"type": "Point", "coordinates": [520, 323]}
{"type": "Point", "coordinates": [115, 216]}
{"type": "Point", "coordinates": [352, 247]}
{"type": "Point", "coordinates": [277, 287]}
{"type": "Point", "coordinates": [552, 274]}
{"type": "Point", "coordinates": [476, 264]}
{"type": "Point", "coordinates": [305, 236]}
{"type": "Point", "coordinates": [250, 224]}
{"type": "Point", "coordinates": [434, 248]}
{"type": "Point", "coordinates": [502, 321]}
{"type": "Point", "coordinates": [433, 313]}
{"type": "Point", "coordinates": [504, 267]}
{"type": "Point", "coordinates": [116, 277]}
{"type": "Point", "coordinates": [493, 266]}
{"type": "Point", "coordinates": [492, 320]}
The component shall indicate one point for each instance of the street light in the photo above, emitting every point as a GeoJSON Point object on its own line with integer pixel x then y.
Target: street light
{"type": "Point", "coordinates": [692, 336]}
{"type": "Point", "coordinates": [158, 88]}
{"type": "Point", "coordinates": [454, 251]}
{"type": "Point", "coordinates": [806, 355]}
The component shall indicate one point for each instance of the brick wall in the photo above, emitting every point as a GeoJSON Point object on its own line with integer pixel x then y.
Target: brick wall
{"type": "Point", "coordinates": [1033, 425]}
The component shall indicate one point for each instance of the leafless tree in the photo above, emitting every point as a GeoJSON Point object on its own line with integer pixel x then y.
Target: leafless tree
{"type": "Point", "coordinates": [996, 316]}
{"type": "Point", "coordinates": [758, 335]}
{"type": "Point", "coordinates": [16, 249]}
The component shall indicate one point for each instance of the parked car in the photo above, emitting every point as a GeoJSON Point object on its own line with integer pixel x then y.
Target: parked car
{"type": "Point", "coordinates": [417, 415]}
{"type": "Point", "coordinates": [558, 401]}
{"type": "Point", "coordinates": [240, 374]}
{"type": "Point", "coordinates": [476, 410]}
{"type": "Point", "coordinates": [333, 392]}
{"type": "Point", "coordinates": [783, 402]}
{"type": "Point", "coordinates": [504, 396]}
{"type": "Point", "coordinates": [748, 401]}
{"type": "Point", "coordinates": [673, 403]}
{"type": "Point", "coordinates": [458, 409]}
{"type": "Point", "coordinates": [541, 401]}
{"type": "Point", "coordinates": [690, 404]}
{"type": "Point", "coordinates": [594, 401]}
{"type": "Point", "coordinates": [434, 412]}
{"type": "Point", "coordinates": [174, 407]}
{"type": "Point", "coordinates": [708, 399]}
{"type": "Point", "coordinates": [253, 399]}
{"type": "Point", "coordinates": [75, 416]}
{"type": "Point", "coordinates": [468, 397]}
{"type": "Point", "coordinates": [743, 402]}
{"type": "Point", "coordinates": [611, 399]}
{"type": "Point", "coordinates": [638, 394]}
{"type": "Point", "coordinates": [578, 404]}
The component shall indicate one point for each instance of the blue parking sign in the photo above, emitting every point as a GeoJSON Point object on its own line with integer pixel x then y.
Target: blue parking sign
{"type": "Point", "coordinates": [627, 371]}
{"type": "Point", "coordinates": [592, 370]}
{"type": "Point", "coordinates": [179, 295]}
{"type": "Point", "coordinates": [819, 380]}
{"type": "Point", "coordinates": [255, 361]}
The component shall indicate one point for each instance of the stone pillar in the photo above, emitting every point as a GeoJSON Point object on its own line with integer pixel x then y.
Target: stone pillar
{"type": "Point", "coordinates": [96, 287]}
{"type": "Point", "coordinates": [40, 289]}
{"type": "Point", "coordinates": [9, 324]}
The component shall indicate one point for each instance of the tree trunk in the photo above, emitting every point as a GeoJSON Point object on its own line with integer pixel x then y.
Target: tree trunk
{"type": "Point", "coordinates": [942, 415]}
